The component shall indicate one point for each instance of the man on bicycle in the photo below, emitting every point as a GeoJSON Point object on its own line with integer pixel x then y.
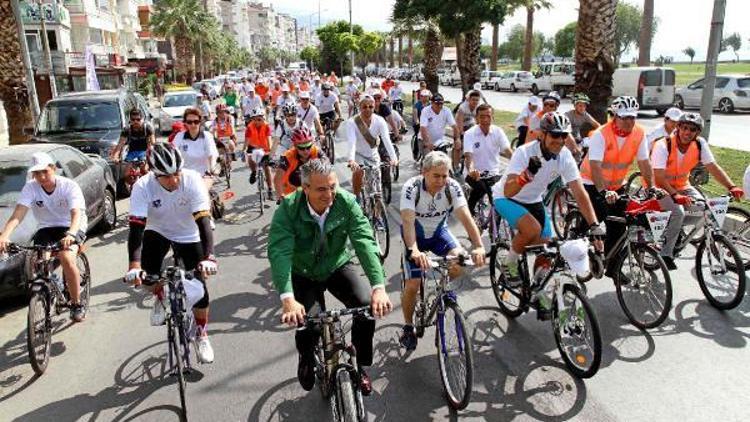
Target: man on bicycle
{"type": "Point", "coordinates": [257, 147]}
{"type": "Point", "coordinates": [285, 99]}
{"type": "Point", "coordinates": [223, 131]}
{"type": "Point", "coordinates": [169, 209]}
{"type": "Point", "coordinates": [382, 110]}
{"type": "Point", "coordinates": [483, 145]}
{"type": "Point", "coordinates": [426, 202]}
{"type": "Point", "coordinates": [671, 117]}
{"type": "Point", "coordinates": [673, 159]}
{"type": "Point", "coordinates": [352, 93]}
{"type": "Point", "coordinates": [58, 207]}
{"type": "Point", "coordinates": [308, 114]}
{"type": "Point", "coordinates": [579, 117]}
{"type": "Point", "coordinates": [287, 177]}
{"type": "Point", "coordinates": [432, 124]}
{"type": "Point", "coordinates": [518, 196]}
{"type": "Point", "coordinates": [138, 136]}
{"type": "Point", "coordinates": [250, 102]}
{"type": "Point", "coordinates": [328, 106]}
{"type": "Point", "coordinates": [282, 137]}
{"type": "Point", "coordinates": [394, 96]}
{"type": "Point", "coordinates": [307, 248]}
{"type": "Point", "coordinates": [364, 133]}
{"type": "Point", "coordinates": [524, 118]}
{"type": "Point", "coordinates": [467, 112]}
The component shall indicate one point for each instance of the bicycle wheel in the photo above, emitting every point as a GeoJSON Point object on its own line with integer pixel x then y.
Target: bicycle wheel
{"type": "Point", "coordinates": [387, 185]}
{"type": "Point", "coordinates": [455, 355]}
{"type": "Point", "coordinates": [261, 192]}
{"type": "Point", "coordinates": [331, 147]}
{"type": "Point", "coordinates": [562, 202]}
{"type": "Point", "coordinates": [379, 220]}
{"type": "Point", "coordinates": [737, 229]}
{"type": "Point", "coordinates": [394, 169]}
{"type": "Point", "coordinates": [345, 400]}
{"type": "Point", "coordinates": [415, 147]}
{"type": "Point", "coordinates": [577, 332]}
{"type": "Point", "coordinates": [573, 221]}
{"type": "Point", "coordinates": [84, 270]}
{"type": "Point", "coordinates": [39, 331]}
{"type": "Point", "coordinates": [723, 287]}
{"type": "Point", "coordinates": [644, 287]}
{"type": "Point", "coordinates": [176, 347]}
{"type": "Point", "coordinates": [227, 164]}
{"type": "Point", "coordinates": [508, 299]}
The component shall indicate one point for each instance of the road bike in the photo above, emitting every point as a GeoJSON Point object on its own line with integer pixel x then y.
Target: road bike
{"type": "Point", "coordinates": [49, 294]}
{"type": "Point", "coordinates": [329, 138]}
{"type": "Point", "coordinates": [336, 369]}
{"type": "Point", "coordinates": [264, 192]}
{"type": "Point", "coordinates": [437, 306]}
{"type": "Point", "coordinates": [371, 200]}
{"type": "Point", "coordinates": [225, 161]}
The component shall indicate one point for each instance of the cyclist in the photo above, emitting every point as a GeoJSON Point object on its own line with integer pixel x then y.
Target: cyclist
{"type": "Point", "coordinates": [308, 114]}
{"type": "Point", "coordinates": [467, 112]}
{"type": "Point", "coordinates": [432, 124]}
{"type": "Point", "coordinates": [204, 104]}
{"type": "Point", "coordinates": [286, 98]}
{"type": "Point", "coordinates": [258, 146]}
{"type": "Point", "coordinates": [612, 150]}
{"type": "Point", "coordinates": [250, 102]}
{"type": "Point", "coordinates": [197, 146]}
{"type": "Point", "coordinates": [394, 96]}
{"type": "Point", "coordinates": [671, 117]}
{"type": "Point", "coordinates": [223, 131]}
{"type": "Point", "coordinates": [231, 100]}
{"type": "Point", "coordinates": [382, 110]}
{"type": "Point", "coordinates": [316, 88]}
{"type": "Point", "coordinates": [550, 103]}
{"type": "Point", "coordinates": [579, 117]}
{"type": "Point", "coordinates": [352, 93]}
{"type": "Point", "coordinates": [328, 105]}
{"type": "Point", "coordinates": [364, 133]}
{"type": "Point", "coordinates": [307, 248]}
{"type": "Point", "coordinates": [287, 177]}
{"type": "Point", "coordinates": [58, 207]}
{"type": "Point", "coordinates": [483, 145]}
{"type": "Point", "coordinates": [524, 117]}
{"type": "Point", "coordinates": [169, 209]}
{"type": "Point", "coordinates": [518, 195]}
{"type": "Point", "coordinates": [387, 84]}
{"type": "Point", "coordinates": [138, 136]}
{"type": "Point", "coordinates": [426, 202]}
{"type": "Point", "coordinates": [282, 137]}
{"type": "Point", "coordinates": [673, 158]}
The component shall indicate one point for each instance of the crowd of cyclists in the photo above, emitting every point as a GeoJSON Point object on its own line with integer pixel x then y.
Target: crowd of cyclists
{"type": "Point", "coordinates": [285, 119]}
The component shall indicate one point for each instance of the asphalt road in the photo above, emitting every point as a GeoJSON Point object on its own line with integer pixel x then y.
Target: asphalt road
{"type": "Point", "coordinates": [726, 129]}
{"type": "Point", "coordinates": [112, 366]}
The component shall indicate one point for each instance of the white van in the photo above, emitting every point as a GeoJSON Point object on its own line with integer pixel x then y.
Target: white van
{"type": "Point", "coordinates": [653, 87]}
{"type": "Point", "coordinates": [554, 76]}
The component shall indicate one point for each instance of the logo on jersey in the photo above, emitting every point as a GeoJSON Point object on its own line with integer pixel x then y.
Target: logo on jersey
{"type": "Point", "coordinates": [156, 204]}
{"type": "Point", "coordinates": [39, 203]}
{"type": "Point", "coordinates": [476, 145]}
{"type": "Point", "coordinates": [429, 119]}
{"type": "Point", "coordinates": [408, 193]}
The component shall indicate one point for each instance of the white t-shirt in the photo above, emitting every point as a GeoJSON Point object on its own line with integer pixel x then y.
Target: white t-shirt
{"type": "Point", "coordinates": [171, 213]}
{"type": "Point", "coordinates": [660, 154]}
{"type": "Point", "coordinates": [564, 166]}
{"type": "Point", "coordinates": [432, 211]}
{"type": "Point", "coordinates": [597, 145]}
{"type": "Point", "coordinates": [283, 133]}
{"type": "Point", "coordinates": [53, 210]}
{"type": "Point", "coordinates": [436, 123]}
{"type": "Point", "coordinates": [469, 114]}
{"type": "Point", "coordinates": [198, 155]}
{"type": "Point", "coordinates": [486, 149]}
{"type": "Point", "coordinates": [655, 134]}
{"type": "Point", "coordinates": [326, 104]}
{"type": "Point", "coordinates": [746, 183]}
{"type": "Point", "coordinates": [308, 116]}
{"type": "Point", "coordinates": [522, 116]}
{"type": "Point", "coordinates": [251, 103]}
{"type": "Point", "coordinates": [395, 93]}
{"type": "Point", "coordinates": [359, 150]}
{"type": "Point", "coordinates": [351, 90]}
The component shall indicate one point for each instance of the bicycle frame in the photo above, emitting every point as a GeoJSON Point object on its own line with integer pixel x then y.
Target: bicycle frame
{"type": "Point", "coordinates": [442, 292]}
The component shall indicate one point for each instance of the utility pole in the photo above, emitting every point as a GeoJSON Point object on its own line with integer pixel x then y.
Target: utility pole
{"type": "Point", "coordinates": [712, 57]}
{"type": "Point", "coordinates": [30, 87]}
{"type": "Point", "coordinates": [47, 52]}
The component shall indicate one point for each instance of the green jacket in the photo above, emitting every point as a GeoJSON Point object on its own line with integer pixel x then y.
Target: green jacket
{"type": "Point", "coordinates": [295, 244]}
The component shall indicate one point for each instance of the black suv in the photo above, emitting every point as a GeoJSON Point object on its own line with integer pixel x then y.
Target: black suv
{"type": "Point", "coordinates": [90, 121]}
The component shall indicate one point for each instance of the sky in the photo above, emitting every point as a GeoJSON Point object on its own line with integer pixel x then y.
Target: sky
{"type": "Point", "coordinates": [682, 23]}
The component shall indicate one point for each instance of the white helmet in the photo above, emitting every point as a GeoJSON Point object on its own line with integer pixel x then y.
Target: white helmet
{"type": "Point", "coordinates": [164, 159]}
{"type": "Point", "coordinates": [625, 106]}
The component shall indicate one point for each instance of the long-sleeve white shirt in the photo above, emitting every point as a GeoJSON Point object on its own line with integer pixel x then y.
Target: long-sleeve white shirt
{"type": "Point", "coordinates": [359, 150]}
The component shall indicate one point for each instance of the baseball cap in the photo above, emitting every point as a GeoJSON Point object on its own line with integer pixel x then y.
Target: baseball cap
{"type": "Point", "coordinates": [673, 114]}
{"type": "Point", "coordinates": [425, 93]}
{"type": "Point", "coordinates": [304, 95]}
{"type": "Point", "coordinates": [534, 100]}
{"type": "Point", "coordinates": [40, 161]}
{"type": "Point", "coordinates": [576, 254]}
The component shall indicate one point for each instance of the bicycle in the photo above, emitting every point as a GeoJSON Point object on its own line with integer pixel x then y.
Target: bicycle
{"type": "Point", "coordinates": [574, 322]}
{"type": "Point", "coordinates": [452, 339]}
{"type": "Point", "coordinates": [263, 163]}
{"type": "Point", "coordinates": [388, 173]}
{"type": "Point", "coordinates": [48, 292]}
{"type": "Point", "coordinates": [329, 138]}
{"type": "Point", "coordinates": [371, 201]}
{"type": "Point", "coordinates": [136, 169]}
{"type": "Point", "coordinates": [336, 369]}
{"type": "Point", "coordinates": [181, 326]}
{"type": "Point", "coordinates": [225, 161]}
{"type": "Point", "coordinates": [485, 216]}
{"type": "Point", "coordinates": [737, 227]}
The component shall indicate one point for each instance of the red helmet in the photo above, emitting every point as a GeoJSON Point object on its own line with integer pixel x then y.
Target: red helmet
{"type": "Point", "coordinates": [178, 126]}
{"type": "Point", "coordinates": [301, 135]}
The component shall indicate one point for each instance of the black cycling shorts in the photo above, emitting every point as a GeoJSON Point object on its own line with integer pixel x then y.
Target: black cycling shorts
{"type": "Point", "coordinates": [51, 235]}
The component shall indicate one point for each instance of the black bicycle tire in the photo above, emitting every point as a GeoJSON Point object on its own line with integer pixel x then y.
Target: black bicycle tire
{"type": "Point", "coordinates": [41, 297]}
{"type": "Point", "coordinates": [497, 280]}
{"type": "Point", "coordinates": [559, 231]}
{"type": "Point", "coordinates": [331, 147]}
{"type": "Point", "coordinates": [176, 347]}
{"type": "Point", "coordinates": [261, 192]}
{"type": "Point", "coordinates": [383, 252]}
{"type": "Point", "coordinates": [572, 222]}
{"type": "Point", "coordinates": [395, 172]}
{"type": "Point", "coordinates": [702, 282]}
{"type": "Point", "coordinates": [667, 283]}
{"type": "Point", "coordinates": [347, 402]}
{"type": "Point", "coordinates": [386, 184]}
{"type": "Point", "coordinates": [85, 279]}
{"type": "Point", "coordinates": [455, 402]}
{"type": "Point", "coordinates": [228, 169]}
{"type": "Point", "coordinates": [597, 338]}
{"type": "Point", "coordinates": [734, 235]}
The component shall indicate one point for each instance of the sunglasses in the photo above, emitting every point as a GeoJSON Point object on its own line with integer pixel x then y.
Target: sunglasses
{"type": "Point", "coordinates": [304, 147]}
{"type": "Point", "coordinates": [367, 107]}
{"type": "Point", "coordinates": [192, 122]}
{"type": "Point", "coordinates": [558, 135]}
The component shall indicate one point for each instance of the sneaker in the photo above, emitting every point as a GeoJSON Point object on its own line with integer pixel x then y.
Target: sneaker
{"type": "Point", "coordinates": [252, 177]}
{"type": "Point", "coordinates": [408, 338]}
{"type": "Point", "coordinates": [203, 349]}
{"type": "Point", "coordinates": [365, 385]}
{"type": "Point", "coordinates": [306, 371]}
{"type": "Point", "coordinates": [159, 311]}
{"type": "Point", "coordinates": [513, 275]}
{"type": "Point", "coordinates": [669, 261]}
{"type": "Point", "coordinates": [77, 313]}
{"type": "Point", "coordinates": [270, 195]}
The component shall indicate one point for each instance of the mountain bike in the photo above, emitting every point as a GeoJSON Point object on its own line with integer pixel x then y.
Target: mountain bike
{"type": "Point", "coordinates": [336, 369]}
{"type": "Point", "coordinates": [225, 160]}
{"type": "Point", "coordinates": [329, 138]}
{"type": "Point", "coordinates": [371, 201]}
{"type": "Point", "coordinates": [49, 293]}
{"type": "Point", "coordinates": [437, 306]}
{"type": "Point", "coordinates": [264, 192]}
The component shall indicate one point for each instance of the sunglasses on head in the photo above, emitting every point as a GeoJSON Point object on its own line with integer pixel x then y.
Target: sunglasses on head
{"type": "Point", "coordinates": [192, 122]}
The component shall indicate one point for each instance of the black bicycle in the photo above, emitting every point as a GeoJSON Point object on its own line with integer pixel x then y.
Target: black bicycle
{"type": "Point", "coordinates": [49, 293]}
{"type": "Point", "coordinates": [263, 190]}
{"type": "Point", "coordinates": [388, 172]}
{"type": "Point", "coordinates": [225, 160]}
{"type": "Point", "coordinates": [329, 138]}
{"type": "Point", "coordinates": [371, 201]}
{"type": "Point", "coordinates": [336, 370]}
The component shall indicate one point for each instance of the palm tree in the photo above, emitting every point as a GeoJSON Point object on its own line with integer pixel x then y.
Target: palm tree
{"type": "Point", "coordinates": [468, 45]}
{"type": "Point", "coordinates": [531, 7]}
{"type": "Point", "coordinates": [647, 32]}
{"type": "Point", "coordinates": [13, 91]}
{"type": "Point", "coordinates": [433, 53]}
{"type": "Point", "coordinates": [495, 42]}
{"type": "Point", "coordinates": [595, 51]}
{"type": "Point", "coordinates": [392, 44]}
{"type": "Point", "coordinates": [182, 21]}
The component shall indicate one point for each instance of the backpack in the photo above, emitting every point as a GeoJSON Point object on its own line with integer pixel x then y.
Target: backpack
{"type": "Point", "coordinates": [418, 187]}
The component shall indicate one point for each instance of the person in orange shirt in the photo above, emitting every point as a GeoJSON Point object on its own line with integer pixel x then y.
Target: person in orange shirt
{"type": "Point", "coordinates": [288, 177]}
{"type": "Point", "coordinates": [304, 85]}
{"type": "Point", "coordinates": [262, 90]}
{"type": "Point", "coordinates": [387, 84]}
{"type": "Point", "coordinates": [258, 146]}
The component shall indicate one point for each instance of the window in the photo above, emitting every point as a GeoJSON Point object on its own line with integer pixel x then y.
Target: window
{"type": "Point", "coordinates": [95, 36]}
{"type": "Point", "coordinates": [669, 77]}
{"type": "Point", "coordinates": [73, 161]}
{"type": "Point", "coordinates": [52, 39]}
{"type": "Point", "coordinates": [743, 83]}
{"type": "Point", "coordinates": [696, 85]}
{"type": "Point", "coordinates": [651, 77]}
{"type": "Point", "coordinates": [78, 116]}
{"type": "Point", "coordinates": [32, 41]}
{"type": "Point", "coordinates": [721, 83]}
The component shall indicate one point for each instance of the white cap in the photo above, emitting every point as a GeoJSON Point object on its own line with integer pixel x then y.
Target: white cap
{"type": "Point", "coordinates": [673, 114]}
{"type": "Point", "coordinates": [534, 100]}
{"type": "Point", "coordinates": [304, 94]}
{"type": "Point", "coordinates": [425, 93]}
{"type": "Point", "coordinates": [576, 254]}
{"type": "Point", "coordinates": [40, 161]}
{"type": "Point", "coordinates": [284, 87]}
{"type": "Point", "coordinates": [477, 86]}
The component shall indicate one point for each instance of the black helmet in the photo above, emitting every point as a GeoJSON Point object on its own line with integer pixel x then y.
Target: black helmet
{"type": "Point", "coordinates": [164, 159]}
{"type": "Point", "coordinates": [438, 98]}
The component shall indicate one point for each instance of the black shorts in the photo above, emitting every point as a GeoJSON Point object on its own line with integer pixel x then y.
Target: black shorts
{"type": "Point", "coordinates": [331, 115]}
{"type": "Point", "coordinates": [52, 235]}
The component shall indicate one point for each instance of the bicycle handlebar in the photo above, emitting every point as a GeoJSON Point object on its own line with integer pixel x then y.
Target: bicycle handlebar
{"type": "Point", "coordinates": [337, 313]}
{"type": "Point", "coordinates": [443, 261]}
{"type": "Point", "coordinates": [53, 247]}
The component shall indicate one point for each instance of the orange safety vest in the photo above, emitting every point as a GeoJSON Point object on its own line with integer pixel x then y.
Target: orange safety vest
{"type": "Point", "coordinates": [258, 136]}
{"type": "Point", "coordinates": [293, 159]}
{"type": "Point", "coordinates": [616, 161]}
{"type": "Point", "coordinates": [678, 172]}
{"type": "Point", "coordinates": [224, 129]}
{"type": "Point", "coordinates": [262, 91]}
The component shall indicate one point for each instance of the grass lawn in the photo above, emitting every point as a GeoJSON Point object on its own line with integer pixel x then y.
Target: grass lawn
{"type": "Point", "coordinates": [688, 73]}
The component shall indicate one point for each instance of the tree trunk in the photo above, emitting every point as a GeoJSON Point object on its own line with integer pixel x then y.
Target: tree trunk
{"type": "Point", "coordinates": [469, 66]}
{"type": "Point", "coordinates": [13, 90]}
{"type": "Point", "coordinates": [184, 62]}
{"type": "Point", "coordinates": [433, 52]}
{"type": "Point", "coordinates": [495, 41]}
{"type": "Point", "coordinates": [393, 52]}
{"type": "Point", "coordinates": [528, 42]}
{"type": "Point", "coordinates": [647, 30]}
{"type": "Point", "coordinates": [400, 50]}
{"type": "Point", "coordinates": [410, 49]}
{"type": "Point", "coordinates": [594, 51]}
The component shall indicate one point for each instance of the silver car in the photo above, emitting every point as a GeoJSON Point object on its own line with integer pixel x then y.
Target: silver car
{"type": "Point", "coordinates": [513, 81]}
{"type": "Point", "coordinates": [732, 93]}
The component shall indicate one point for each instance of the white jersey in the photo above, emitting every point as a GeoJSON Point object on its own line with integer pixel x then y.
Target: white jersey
{"type": "Point", "coordinates": [251, 103]}
{"type": "Point", "coordinates": [655, 134]}
{"type": "Point", "coordinates": [522, 116]}
{"type": "Point", "coordinates": [436, 123]}
{"type": "Point", "coordinates": [326, 104]}
{"type": "Point", "coordinates": [198, 154]}
{"type": "Point", "coordinates": [308, 116]}
{"type": "Point", "coordinates": [431, 211]}
{"type": "Point", "coordinates": [359, 150]}
{"type": "Point", "coordinates": [395, 93]}
{"type": "Point", "coordinates": [486, 149]}
{"type": "Point", "coordinates": [171, 213]}
{"type": "Point", "coordinates": [53, 210]}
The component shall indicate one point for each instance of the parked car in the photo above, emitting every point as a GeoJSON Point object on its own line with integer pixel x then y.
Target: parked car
{"type": "Point", "coordinates": [449, 77]}
{"type": "Point", "coordinates": [653, 87]}
{"type": "Point", "coordinates": [488, 78]}
{"type": "Point", "coordinates": [90, 121]}
{"type": "Point", "coordinates": [91, 173]}
{"type": "Point", "coordinates": [173, 105]}
{"type": "Point", "coordinates": [554, 76]}
{"type": "Point", "coordinates": [514, 81]}
{"type": "Point", "coordinates": [732, 93]}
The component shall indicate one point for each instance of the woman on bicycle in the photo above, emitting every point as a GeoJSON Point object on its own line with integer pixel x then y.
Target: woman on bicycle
{"type": "Point", "coordinates": [287, 178]}
{"type": "Point", "coordinates": [197, 146]}
{"type": "Point", "coordinates": [169, 209]}
{"type": "Point", "coordinates": [223, 131]}
{"type": "Point", "coordinates": [258, 146]}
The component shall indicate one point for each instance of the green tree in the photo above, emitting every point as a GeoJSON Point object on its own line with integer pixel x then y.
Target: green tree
{"type": "Point", "coordinates": [311, 55]}
{"type": "Point", "coordinates": [531, 7]}
{"type": "Point", "coordinates": [336, 43]}
{"type": "Point", "coordinates": [267, 58]}
{"type": "Point", "coordinates": [182, 21]}
{"type": "Point", "coordinates": [515, 45]}
{"type": "Point", "coordinates": [628, 28]}
{"type": "Point", "coordinates": [690, 52]}
{"type": "Point", "coordinates": [565, 40]}
{"type": "Point", "coordinates": [733, 41]}
{"type": "Point", "coordinates": [367, 46]}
